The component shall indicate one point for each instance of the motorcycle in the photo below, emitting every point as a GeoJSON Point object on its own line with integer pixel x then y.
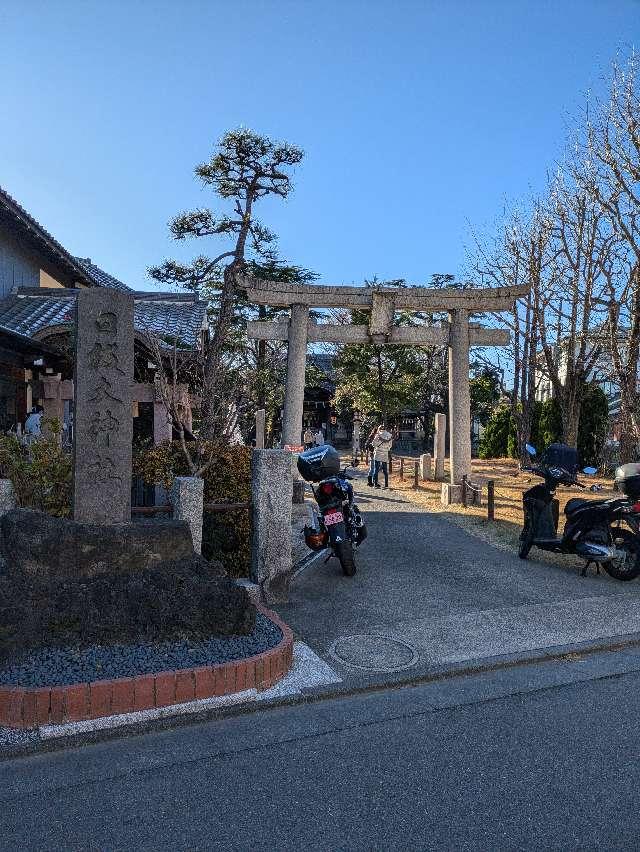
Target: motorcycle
{"type": "Point", "coordinates": [339, 527]}
{"type": "Point", "coordinates": [593, 528]}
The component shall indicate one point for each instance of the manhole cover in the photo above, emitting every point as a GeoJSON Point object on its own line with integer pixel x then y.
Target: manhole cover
{"type": "Point", "coordinates": [373, 653]}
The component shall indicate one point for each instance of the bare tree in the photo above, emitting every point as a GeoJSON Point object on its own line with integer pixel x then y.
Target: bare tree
{"type": "Point", "coordinates": [515, 258]}
{"type": "Point", "coordinates": [568, 299]}
{"type": "Point", "coordinates": [611, 175]}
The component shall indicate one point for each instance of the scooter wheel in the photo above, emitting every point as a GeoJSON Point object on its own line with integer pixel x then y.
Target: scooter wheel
{"type": "Point", "coordinates": [344, 552]}
{"type": "Point", "coordinates": [526, 543]}
{"type": "Point", "coordinates": [629, 568]}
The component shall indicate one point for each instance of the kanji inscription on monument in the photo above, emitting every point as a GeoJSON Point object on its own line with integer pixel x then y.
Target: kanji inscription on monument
{"type": "Point", "coordinates": [103, 415]}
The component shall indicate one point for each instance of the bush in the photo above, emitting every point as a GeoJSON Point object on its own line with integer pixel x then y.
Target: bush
{"type": "Point", "coordinates": [41, 472]}
{"type": "Point", "coordinates": [494, 443]}
{"type": "Point", "coordinates": [549, 429]}
{"type": "Point", "coordinates": [227, 479]}
{"type": "Point", "coordinates": [594, 425]}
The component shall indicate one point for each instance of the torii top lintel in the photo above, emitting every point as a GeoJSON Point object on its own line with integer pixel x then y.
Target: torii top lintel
{"type": "Point", "coordinates": [282, 294]}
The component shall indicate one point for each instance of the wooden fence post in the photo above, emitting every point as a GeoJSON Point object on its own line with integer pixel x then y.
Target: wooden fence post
{"type": "Point", "coordinates": [402, 468]}
{"type": "Point", "coordinates": [464, 490]}
{"type": "Point", "coordinates": [416, 473]}
{"type": "Point", "coordinates": [491, 500]}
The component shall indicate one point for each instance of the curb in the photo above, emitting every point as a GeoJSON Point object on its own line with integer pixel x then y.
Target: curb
{"type": "Point", "coordinates": [26, 708]}
{"type": "Point", "coordinates": [316, 696]}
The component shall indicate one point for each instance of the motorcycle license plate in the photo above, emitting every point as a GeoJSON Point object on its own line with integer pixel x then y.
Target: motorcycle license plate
{"type": "Point", "coordinates": [333, 518]}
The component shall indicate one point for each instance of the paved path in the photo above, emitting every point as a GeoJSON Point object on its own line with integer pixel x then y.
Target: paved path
{"type": "Point", "coordinates": [542, 757]}
{"type": "Point", "coordinates": [449, 595]}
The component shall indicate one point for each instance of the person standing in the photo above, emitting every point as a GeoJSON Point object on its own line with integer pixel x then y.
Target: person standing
{"type": "Point", "coordinates": [307, 438]}
{"type": "Point", "coordinates": [33, 423]}
{"type": "Point", "coordinates": [319, 438]}
{"type": "Point", "coordinates": [381, 449]}
{"type": "Point", "coordinates": [368, 446]}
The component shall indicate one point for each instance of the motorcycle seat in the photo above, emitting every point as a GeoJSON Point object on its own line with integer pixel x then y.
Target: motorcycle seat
{"type": "Point", "coordinates": [574, 504]}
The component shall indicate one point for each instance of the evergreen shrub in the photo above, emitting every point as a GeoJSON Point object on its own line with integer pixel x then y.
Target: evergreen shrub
{"type": "Point", "coordinates": [226, 536]}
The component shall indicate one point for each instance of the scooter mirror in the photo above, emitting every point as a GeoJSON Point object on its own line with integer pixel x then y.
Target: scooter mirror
{"type": "Point", "coordinates": [531, 450]}
{"type": "Point", "coordinates": [590, 471]}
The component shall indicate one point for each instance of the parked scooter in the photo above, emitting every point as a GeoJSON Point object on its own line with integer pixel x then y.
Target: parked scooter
{"type": "Point", "coordinates": [340, 526]}
{"type": "Point", "coordinates": [592, 528]}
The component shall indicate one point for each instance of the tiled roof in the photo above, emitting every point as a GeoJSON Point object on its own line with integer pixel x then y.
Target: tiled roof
{"type": "Point", "coordinates": [178, 320]}
{"type": "Point", "coordinates": [101, 278]}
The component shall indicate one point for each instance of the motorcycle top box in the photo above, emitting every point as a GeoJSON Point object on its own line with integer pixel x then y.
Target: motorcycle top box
{"type": "Point", "coordinates": [560, 456]}
{"type": "Point", "coordinates": [319, 463]}
{"type": "Point", "coordinates": [628, 480]}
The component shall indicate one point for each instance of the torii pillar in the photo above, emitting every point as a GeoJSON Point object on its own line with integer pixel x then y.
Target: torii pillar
{"type": "Point", "coordinates": [296, 363]}
{"type": "Point", "coordinates": [459, 396]}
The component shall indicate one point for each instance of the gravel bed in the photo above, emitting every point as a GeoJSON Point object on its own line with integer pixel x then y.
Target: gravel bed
{"type": "Point", "coordinates": [62, 666]}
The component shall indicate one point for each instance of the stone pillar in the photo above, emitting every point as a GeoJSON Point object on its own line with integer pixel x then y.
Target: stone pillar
{"type": "Point", "coordinates": [425, 467]}
{"type": "Point", "coordinates": [187, 498]}
{"type": "Point", "coordinates": [296, 363]}
{"type": "Point", "coordinates": [459, 396]}
{"type": "Point", "coordinates": [439, 445]}
{"type": "Point", "coordinates": [52, 401]}
{"type": "Point", "coordinates": [272, 494]}
{"type": "Point", "coordinates": [103, 422]}
{"type": "Point", "coordinates": [260, 423]}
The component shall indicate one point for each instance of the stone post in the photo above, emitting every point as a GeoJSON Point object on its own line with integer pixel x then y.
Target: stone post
{"type": "Point", "coordinates": [187, 498]}
{"type": "Point", "coordinates": [272, 493]}
{"type": "Point", "coordinates": [439, 445]}
{"type": "Point", "coordinates": [103, 396]}
{"type": "Point", "coordinates": [425, 467]}
{"type": "Point", "coordinates": [296, 363]}
{"type": "Point", "coordinates": [459, 396]}
{"type": "Point", "coordinates": [260, 422]}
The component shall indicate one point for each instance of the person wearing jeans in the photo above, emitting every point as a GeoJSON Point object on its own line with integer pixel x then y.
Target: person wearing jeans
{"type": "Point", "coordinates": [370, 454]}
{"type": "Point", "coordinates": [381, 449]}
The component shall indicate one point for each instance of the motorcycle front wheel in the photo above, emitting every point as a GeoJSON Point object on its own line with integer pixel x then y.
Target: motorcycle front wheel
{"type": "Point", "coordinates": [344, 551]}
{"type": "Point", "coordinates": [627, 567]}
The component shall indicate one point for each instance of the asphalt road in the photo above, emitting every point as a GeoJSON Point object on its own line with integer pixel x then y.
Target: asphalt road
{"type": "Point", "coordinates": [540, 757]}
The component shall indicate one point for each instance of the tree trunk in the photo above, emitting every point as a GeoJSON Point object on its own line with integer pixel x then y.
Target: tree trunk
{"type": "Point", "coordinates": [215, 403]}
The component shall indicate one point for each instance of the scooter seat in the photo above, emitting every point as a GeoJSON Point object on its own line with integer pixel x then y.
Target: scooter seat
{"type": "Point", "coordinates": [574, 504]}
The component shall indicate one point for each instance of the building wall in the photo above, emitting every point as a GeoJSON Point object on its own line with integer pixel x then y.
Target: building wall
{"type": "Point", "coordinates": [47, 280]}
{"type": "Point", "coordinates": [17, 267]}
{"type": "Point", "coordinates": [22, 265]}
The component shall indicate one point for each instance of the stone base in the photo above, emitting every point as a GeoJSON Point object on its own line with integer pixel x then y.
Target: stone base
{"type": "Point", "coordinates": [453, 494]}
{"type": "Point", "coordinates": [40, 545]}
{"type": "Point", "coordinates": [450, 494]}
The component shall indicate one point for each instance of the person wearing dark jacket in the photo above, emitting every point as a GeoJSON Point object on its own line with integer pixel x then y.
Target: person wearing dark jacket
{"type": "Point", "coordinates": [368, 445]}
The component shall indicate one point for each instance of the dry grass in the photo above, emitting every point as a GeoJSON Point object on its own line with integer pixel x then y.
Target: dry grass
{"type": "Point", "coordinates": [510, 484]}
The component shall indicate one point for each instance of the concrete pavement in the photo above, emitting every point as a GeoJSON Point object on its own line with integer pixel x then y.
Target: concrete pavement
{"type": "Point", "coordinates": [430, 596]}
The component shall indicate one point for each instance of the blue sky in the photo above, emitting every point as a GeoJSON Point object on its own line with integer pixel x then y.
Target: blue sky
{"type": "Point", "coordinates": [418, 118]}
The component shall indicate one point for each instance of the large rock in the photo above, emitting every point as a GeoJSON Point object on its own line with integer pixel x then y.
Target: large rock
{"type": "Point", "coordinates": [186, 599]}
{"type": "Point", "coordinates": [37, 544]}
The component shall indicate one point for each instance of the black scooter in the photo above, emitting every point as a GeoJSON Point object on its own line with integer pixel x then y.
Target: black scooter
{"type": "Point", "coordinates": [592, 529]}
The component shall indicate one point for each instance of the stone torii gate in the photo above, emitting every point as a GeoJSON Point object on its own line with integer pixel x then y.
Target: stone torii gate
{"type": "Point", "coordinates": [458, 334]}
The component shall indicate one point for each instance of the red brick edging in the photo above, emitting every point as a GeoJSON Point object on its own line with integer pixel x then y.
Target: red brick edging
{"type": "Point", "coordinates": [22, 707]}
